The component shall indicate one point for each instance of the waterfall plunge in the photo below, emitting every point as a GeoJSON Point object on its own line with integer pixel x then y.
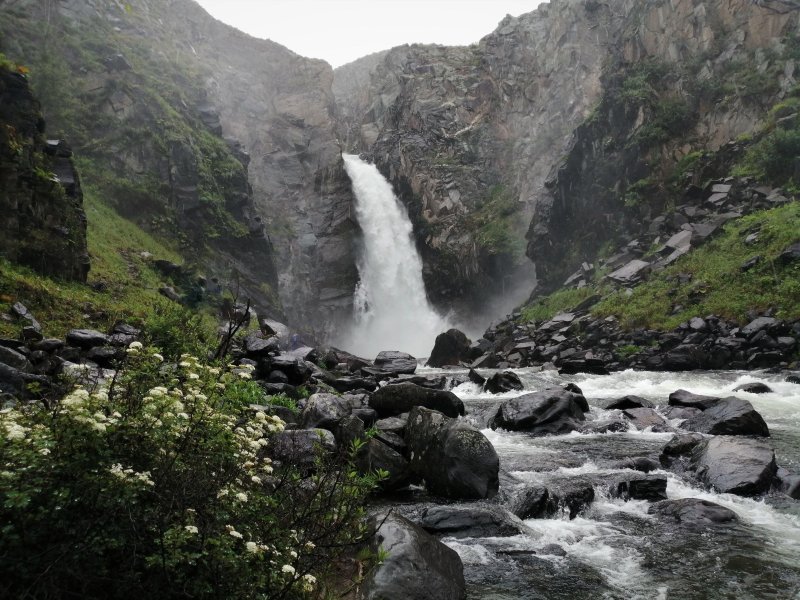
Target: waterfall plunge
{"type": "Point", "coordinates": [391, 309]}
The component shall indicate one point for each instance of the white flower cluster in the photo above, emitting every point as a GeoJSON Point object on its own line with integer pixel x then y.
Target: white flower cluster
{"type": "Point", "coordinates": [130, 475]}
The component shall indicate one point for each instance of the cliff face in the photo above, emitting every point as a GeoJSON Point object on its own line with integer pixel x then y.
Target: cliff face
{"type": "Point", "coordinates": [43, 224]}
{"type": "Point", "coordinates": [200, 132]}
{"type": "Point", "coordinates": [555, 113]}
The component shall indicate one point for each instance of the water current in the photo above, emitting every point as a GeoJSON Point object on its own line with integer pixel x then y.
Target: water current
{"type": "Point", "coordinates": [614, 548]}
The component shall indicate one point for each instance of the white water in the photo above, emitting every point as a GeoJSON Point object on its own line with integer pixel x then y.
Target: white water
{"type": "Point", "coordinates": [391, 308]}
{"type": "Point", "coordinates": [636, 554]}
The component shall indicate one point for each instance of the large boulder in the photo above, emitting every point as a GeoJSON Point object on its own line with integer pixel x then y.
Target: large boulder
{"type": "Point", "coordinates": [295, 368]}
{"type": "Point", "coordinates": [693, 511]}
{"type": "Point", "coordinates": [735, 465]}
{"type": "Point", "coordinates": [689, 400]}
{"type": "Point", "coordinates": [627, 402]}
{"type": "Point", "coordinates": [417, 566]}
{"type": "Point", "coordinates": [455, 459]}
{"type": "Point", "coordinates": [729, 416]}
{"type": "Point", "coordinates": [302, 446]}
{"type": "Point", "coordinates": [549, 411]}
{"type": "Point", "coordinates": [450, 348]}
{"type": "Point", "coordinates": [506, 381]}
{"type": "Point", "coordinates": [397, 363]}
{"type": "Point", "coordinates": [86, 338]}
{"type": "Point", "coordinates": [471, 521]}
{"type": "Point", "coordinates": [756, 387]}
{"type": "Point", "coordinates": [375, 455]}
{"type": "Point", "coordinates": [325, 411]}
{"type": "Point", "coordinates": [393, 400]}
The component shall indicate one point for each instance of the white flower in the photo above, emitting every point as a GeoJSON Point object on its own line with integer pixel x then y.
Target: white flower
{"type": "Point", "coordinates": [251, 547]}
{"type": "Point", "coordinates": [183, 415]}
{"type": "Point", "coordinates": [293, 554]}
{"type": "Point", "coordinates": [191, 529]}
{"type": "Point", "coordinates": [15, 432]}
{"type": "Point", "coordinates": [135, 345]}
{"type": "Point", "coordinates": [241, 496]}
{"type": "Point", "coordinates": [310, 545]}
{"type": "Point", "coordinates": [101, 427]}
{"type": "Point", "coordinates": [158, 357]}
{"type": "Point", "coordinates": [288, 569]}
{"type": "Point", "coordinates": [243, 375]}
{"type": "Point", "coordinates": [44, 451]}
{"type": "Point", "coordinates": [255, 479]}
{"type": "Point", "coordinates": [236, 534]}
{"type": "Point", "coordinates": [193, 376]}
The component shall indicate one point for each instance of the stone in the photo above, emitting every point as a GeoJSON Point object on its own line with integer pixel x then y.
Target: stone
{"type": "Point", "coordinates": [86, 338]}
{"type": "Point", "coordinates": [642, 418]}
{"type": "Point", "coordinates": [680, 445]}
{"type": "Point", "coordinates": [729, 416]}
{"type": "Point", "coordinates": [349, 384]}
{"type": "Point", "coordinates": [21, 311]}
{"type": "Point", "coordinates": [49, 345]}
{"type": "Point", "coordinates": [693, 511]}
{"type": "Point", "coordinates": [105, 356]}
{"type": "Point", "coordinates": [630, 272]}
{"type": "Point", "coordinates": [749, 264]}
{"type": "Point", "coordinates": [476, 377]}
{"type": "Point", "coordinates": [789, 255]}
{"type": "Point", "coordinates": [301, 446]}
{"type": "Point", "coordinates": [393, 400]}
{"type": "Point", "coordinates": [629, 402]}
{"type": "Point", "coordinates": [396, 425]}
{"type": "Point", "coordinates": [501, 382]}
{"type": "Point", "coordinates": [450, 348]}
{"type": "Point", "coordinates": [642, 487]}
{"type": "Point", "coordinates": [14, 359]}
{"type": "Point", "coordinates": [529, 502]}
{"type": "Point", "coordinates": [257, 345]}
{"type": "Point", "coordinates": [397, 363]}
{"type": "Point", "coordinates": [296, 369]}
{"type": "Point", "coordinates": [437, 570]}
{"type": "Point", "coordinates": [735, 465]}
{"type": "Point", "coordinates": [580, 365]}
{"type": "Point", "coordinates": [375, 455]}
{"type": "Point", "coordinates": [325, 411]}
{"type": "Point", "coordinates": [753, 388]}
{"type": "Point", "coordinates": [688, 399]}
{"type": "Point", "coordinates": [455, 459]}
{"type": "Point", "coordinates": [758, 324]}
{"type": "Point", "coordinates": [470, 521]}
{"type": "Point", "coordinates": [549, 411]}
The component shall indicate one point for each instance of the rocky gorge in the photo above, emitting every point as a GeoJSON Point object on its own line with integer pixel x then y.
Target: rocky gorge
{"type": "Point", "coordinates": [618, 177]}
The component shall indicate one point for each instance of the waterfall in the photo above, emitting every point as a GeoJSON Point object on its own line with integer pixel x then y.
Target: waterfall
{"type": "Point", "coordinates": [391, 308]}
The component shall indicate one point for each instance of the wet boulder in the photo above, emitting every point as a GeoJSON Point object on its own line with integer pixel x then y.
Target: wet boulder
{"type": "Point", "coordinates": [729, 416]}
{"type": "Point", "coordinates": [735, 465]}
{"type": "Point", "coordinates": [450, 348]}
{"type": "Point", "coordinates": [551, 411]}
{"type": "Point", "coordinates": [301, 446]}
{"type": "Point", "coordinates": [470, 521]}
{"type": "Point", "coordinates": [325, 411]}
{"type": "Point", "coordinates": [693, 511]}
{"type": "Point", "coordinates": [417, 565]}
{"type": "Point", "coordinates": [455, 459]}
{"type": "Point", "coordinates": [642, 418]}
{"type": "Point", "coordinates": [393, 400]}
{"type": "Point", "coordinates": [627, 402]}
{"type": "Point", "coordinates": [755, 387]}
{"type": "Point", "coordinates": [501, 382]}
{"type": "Point", "coordinates": [640, 487]}
{"type": "Point", "coordinates": [396, 363]}
{"type": "Point", "coordinates": [375, 455]}
{"type": "Point", "coordinates": [689, 400]}
{"type": "Point", "coordinates": [527, 502]}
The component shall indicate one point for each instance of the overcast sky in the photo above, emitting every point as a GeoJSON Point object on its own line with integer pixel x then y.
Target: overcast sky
{"type": "Point", "coordinates": [340, 31]}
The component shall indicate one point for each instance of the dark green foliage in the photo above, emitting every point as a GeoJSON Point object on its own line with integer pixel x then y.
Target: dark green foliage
{"type": "Point", "coordinates": [496, 224]}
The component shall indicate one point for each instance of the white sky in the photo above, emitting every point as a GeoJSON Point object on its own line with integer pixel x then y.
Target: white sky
{"type": "Point", "coordinates": [341, 31]}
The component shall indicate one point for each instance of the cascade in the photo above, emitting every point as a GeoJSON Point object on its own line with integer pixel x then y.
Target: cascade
{"type": "Point", "coordinates": [392, 311]}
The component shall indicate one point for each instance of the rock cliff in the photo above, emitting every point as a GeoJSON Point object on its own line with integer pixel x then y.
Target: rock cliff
{"type": "Point", "coordinates": [43, 224]}
{"type": "Point", "coordinates": [553, 119]}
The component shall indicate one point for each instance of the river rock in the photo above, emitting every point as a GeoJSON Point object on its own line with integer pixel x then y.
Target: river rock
{"type": "Point", "coordinates": [549, 411]}
{"type": "Point", "coordinates": [641, 487]}
{"type": "Point", "coordinates": [729, 416]}
{"type": "Point", "coordinates": [690, 400]}
{"type": "Point", "coordinates": [528, 502]}
{"type": "Point", "coordinates": [324, 411]}
{"type": "Point", "coordinates": [396, 425]}
{"type": "Point", "coordinates": [450, 348]}
{"type": "Point", "coordinates": [433, 382]}
{"type": "Point", "coordinates": [627, 402]}
{"type": "Point", "coordinates": [454, 459]}
{"type": "Point", "coordinates": [476, 377]}
{"type": "Point", "coordinates": [396, 363]}
{"type": "Point", "coordinates": [505, 381]}
{"type": "Point", "coordinates": [643, 418]}
{"type": "Point", "coordinates": [375, 455]}
{"type": "Point", "coordinates": [470, 521]}
{"type": "Point", "coordinates": [693, 511]}
{"type": "Point", "coordinates": [417, 565]}
{"type": "Point", "coordinates": [753, 388]}
{"type": "Point", "coordinates": [735, 465]}
{"type": "Point", "coordinates": [393, 400]}
{"type": "Point", "coordinates": [301, 446]}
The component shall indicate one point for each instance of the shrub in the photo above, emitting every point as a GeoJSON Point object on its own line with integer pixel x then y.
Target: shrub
{"type": "Point", "coordinates": [158, 484]}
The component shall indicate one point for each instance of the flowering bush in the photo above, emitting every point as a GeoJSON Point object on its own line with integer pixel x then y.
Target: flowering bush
{"type": "Point", "coordinates": [157, 483]}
